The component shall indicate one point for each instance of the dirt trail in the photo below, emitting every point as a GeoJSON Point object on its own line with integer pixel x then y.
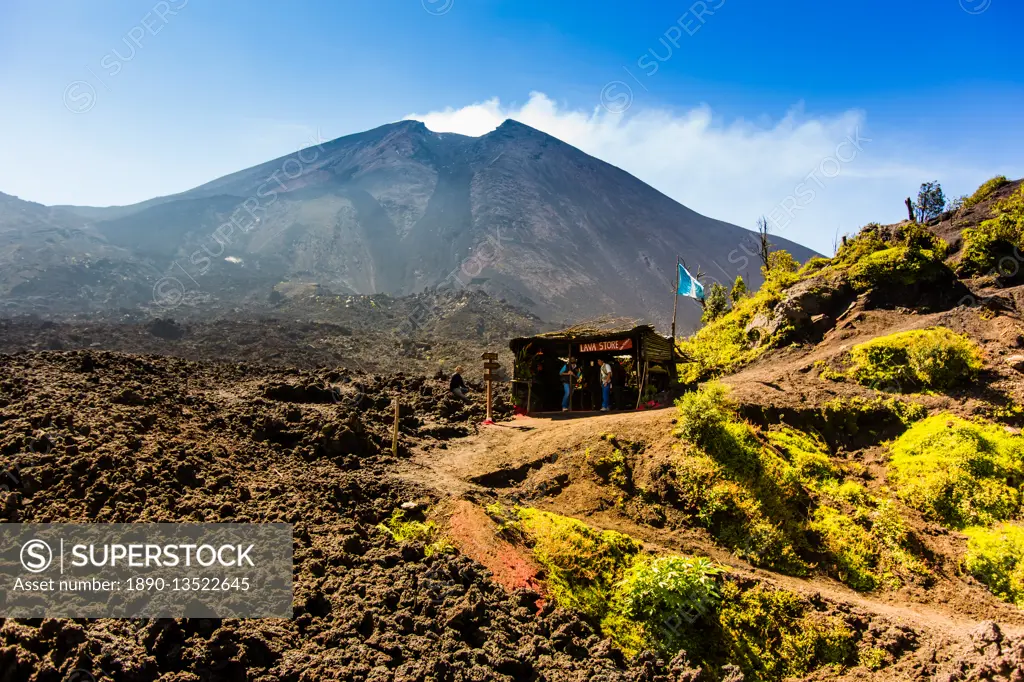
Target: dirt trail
{"type": "Point", "coordinates": [506, 460]}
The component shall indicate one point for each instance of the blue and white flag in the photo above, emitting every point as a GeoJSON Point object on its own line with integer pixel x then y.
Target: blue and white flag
{"type": "Point", "coordinates": [688, 285]}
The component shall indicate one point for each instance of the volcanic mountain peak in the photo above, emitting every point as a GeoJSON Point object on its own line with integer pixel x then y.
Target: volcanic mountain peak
{"type": "Point", "coordinates": [400, 208]}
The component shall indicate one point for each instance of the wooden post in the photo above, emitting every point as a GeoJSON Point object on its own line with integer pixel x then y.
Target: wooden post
{"type": "Point", "coordinates": [640, 387]}
{"type": "Point", "coordinates": [394, 432]}
{"type": "Point", "coordinates": [491, 364]}
{"type": "Point", "coordinates": [675, 304]}
{"type": "Point", "coordinates": [529, 394]}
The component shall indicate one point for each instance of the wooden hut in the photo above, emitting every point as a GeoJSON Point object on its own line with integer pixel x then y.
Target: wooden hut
{"type": "Point", "coordinates": [643, 362]}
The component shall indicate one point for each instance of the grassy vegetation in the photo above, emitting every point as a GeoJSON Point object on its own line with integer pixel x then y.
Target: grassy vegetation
{"type": "Point", "coordinates": [582, 564]}
{"type": "Point", "coordinates": [935, 359]}
{"type": "Point", "coordinates": [662, 601]}
{"type": "Point", "coordinates": [899, 265]}
{"type": "Point", "coordinates": [670, 602]}
{"type": "Point", "coordinates": [875, 258]}
{"type": "Point", "coordinates": [995, 238]}
{"type": "Point", "coordinates": [958, 472]}
{"type": "Point", "coordinates": [762, 493]}
{"type": "Point", "coordinates": [986, 190]}
{"type": "Point", "coordinates": [910, 255]}
{"type": "Point", "coordinates": [773, 635]}
{"type": "Point", "coordinates": [415, 531]}
{"type": "Point", "coordinates": [614, 467]}
{"type": "Point", "coordinates": [995, 556]}
{"type": "Point", "coordinates": [849, 416]}
{"type": "Point", "coordinates": [745, 494]}
{"type": "Point", "coordinates": [723, 344]}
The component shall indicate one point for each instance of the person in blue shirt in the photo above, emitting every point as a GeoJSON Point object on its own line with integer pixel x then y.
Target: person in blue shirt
{"type": "Point", "coordinates": [606, 385]}
{"type": "Point", "coordinates": [568, 375]}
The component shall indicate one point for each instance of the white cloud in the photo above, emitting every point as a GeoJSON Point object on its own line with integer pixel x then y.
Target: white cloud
{"type": "Point", "coordinates": [739, 170]}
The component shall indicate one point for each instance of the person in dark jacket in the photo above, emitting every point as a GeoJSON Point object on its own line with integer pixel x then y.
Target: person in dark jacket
{"type": "Point", "coordinates": [457, 386]}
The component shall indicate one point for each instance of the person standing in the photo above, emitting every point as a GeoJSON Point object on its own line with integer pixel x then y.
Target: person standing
{"type": "Point", "coordinates": [568, 375]}
{"type": "Point", "coordinates": [457, 386]}
{"type": "Point", "coordinates": [618, 381]}
{"type": "Point", "coordinates": [606, 385]}
{"type": "Point", "coordinates": [537, 378]}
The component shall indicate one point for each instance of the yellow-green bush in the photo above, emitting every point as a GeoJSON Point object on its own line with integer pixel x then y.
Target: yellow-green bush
{"type": "Point", "coordinates": [807, 453]}
{"type": "Point", "coordinates": [934, 358]}
{"type": "Point", "coordinates": [986, 190]}
{"type": "Point", "coordinates": [897, 266]}
{"type": "Point", "coordinates": [722, 345]}
{"type": "Point", "coordinates": [581, 564]}
{"type": "Point", "coordinates": [640, 600]}
{"type": "Point", "coordinates": [746, 494]}
{"type": "Point", "coordinates": [995, 556]}
{"type": "Point", "coordinates": [666, 603]}
{"type": "Point", "coordinates": [984, 245]}
{"type": "Point", "coordinates": [415, 531]}
{"type": "Point", "coordinates": [760, 493]}
{"type": "Point", "coordinates": [773, 634]}
{"type": "Point", "coordinates": [855, 550]}
{"type": "Point", "coordinates": [661, 602]}
{"type": "Point", "coordinates": [958, 472]}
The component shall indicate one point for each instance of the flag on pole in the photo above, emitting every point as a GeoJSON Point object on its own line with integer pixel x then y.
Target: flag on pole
{"type": "Point", "coordinates": [688, 285]}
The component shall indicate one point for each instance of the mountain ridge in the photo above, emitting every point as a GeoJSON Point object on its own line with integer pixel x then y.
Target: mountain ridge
{"type": "Point", "coordinates": [399, 208]}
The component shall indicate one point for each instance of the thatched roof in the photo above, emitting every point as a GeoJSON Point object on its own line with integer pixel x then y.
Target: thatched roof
{"type": "Point", "coordinates": [655, 347]}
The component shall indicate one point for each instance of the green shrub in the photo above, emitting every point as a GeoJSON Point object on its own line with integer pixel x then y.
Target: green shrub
{"type": "Point", "coordinates": [773, 634]}
{"type": "Point", "coordinates": [614, 467]}
{"type": "Point", "coordinates": [415, 531]}
{"type": "Point", "coordinates": [864, 243]}
{"type": "Point", "coordinates": [723, 345]}
{"type": "Point", "coordinates": [854, 549]}
{"type": "Point", "coordinates": [958, 472]}
{"type": "Point", "coordinates": [986, 190]}
{"type": "Point", "coordinates": [670, 596]}
{"type": "Point", "coordinates": [897, 266]}
{"type": "Point", "coordinates": [813, 265]}
{"type": "Point", "coordinates": [739, 289]}
{"type": "Point", "coordinates": [581, 564]}
{"type": "Point", "coordinates": [715, 303]}
{"type": "Point", "coordinates": [780, 264]}
{"type": "Point", "coordinates": [875, 658]}
{"type": "Point", "coordinates": [639, 600]}
{"type": "Point", "coordinates": [995, 238]}
{"type": "Point", "coordinates": [807, 453]}
{"type": "Point", "coordinates": [934, 358]}
{"type": "Point", "coordinates": [702, 413]}
{"type": "Point", "coordinates": [995, 556]}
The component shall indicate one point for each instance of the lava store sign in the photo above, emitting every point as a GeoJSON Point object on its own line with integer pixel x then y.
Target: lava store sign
{"type": "Point", "coordinates": [606, 346]}
{"type": "Point", "coordinates": [146, 570]}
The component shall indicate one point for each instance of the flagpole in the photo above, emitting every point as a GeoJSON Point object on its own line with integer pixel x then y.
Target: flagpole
{"type": "Point", "coordinates": [675, 305]}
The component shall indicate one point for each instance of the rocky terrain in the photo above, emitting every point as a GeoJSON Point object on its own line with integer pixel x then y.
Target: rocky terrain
{"type": "Point", "coordinates": [393, 210]}
{"type": "Point", "coordinates": [419, 334]}
{"type": "Point", "coordinates": [835, 495]}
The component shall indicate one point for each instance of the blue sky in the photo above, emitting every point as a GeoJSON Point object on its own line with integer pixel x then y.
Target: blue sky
{"type": "Point", "coordinates": [116, 102]}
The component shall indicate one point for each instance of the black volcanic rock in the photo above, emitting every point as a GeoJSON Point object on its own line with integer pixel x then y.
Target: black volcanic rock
{"type": "Point", "coordinates": [400, 209]}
